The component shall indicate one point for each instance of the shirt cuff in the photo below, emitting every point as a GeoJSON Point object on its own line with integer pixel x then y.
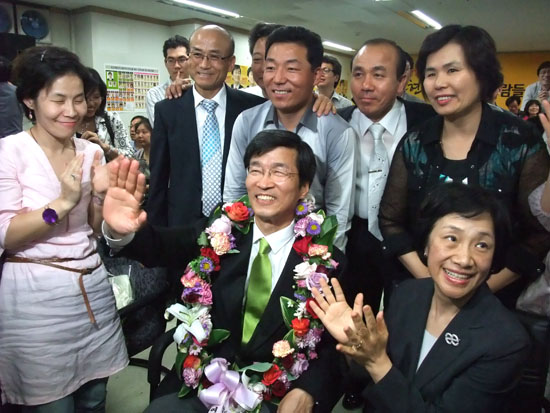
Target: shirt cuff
{"type": "Point", "coordinates": [116, 244]}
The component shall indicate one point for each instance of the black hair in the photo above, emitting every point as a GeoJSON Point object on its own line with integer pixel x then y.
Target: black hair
{"type": "Point", "coordinates": [140, 117]}
{"type": "Point", "coordinates": [513, 99]}
{"type": "Point", "coordinates": [400, 67]}
{"type": "Point", "coordinates": [531, 103]}
{"type": "Point", "coordinates": [258, 31]}
{"type": "Point", "coordinates": [336, 67]}
{"type": "Point", "coordinates": [98, 83]}
{"type": "Point", "coordinates": [36, 68]}
{"type": "Point", "coordinates": [479, 50]}
{"type": "Point", "coordinates": [543, 65]}
{"type": "Point", "coordinates": [237, 67]}
{"type": "Point", "coordinates": [145, 122]}
{"type": "Point", "coordinates": [5, 69]}
{"type": "Point", "coordinates": [175, 42]}
{"type": "Point", "coordinates": [268, 140]}
{"type": "Point", "coordinates": [248, 71]}
{"type": "Point", "coordinates": [302, 36]}
{"type": "Point", "coordinates": [468, 202]}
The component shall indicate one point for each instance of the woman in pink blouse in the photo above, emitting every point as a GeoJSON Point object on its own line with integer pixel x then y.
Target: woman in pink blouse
{"type": "Point", "coordinates": [60, 336]}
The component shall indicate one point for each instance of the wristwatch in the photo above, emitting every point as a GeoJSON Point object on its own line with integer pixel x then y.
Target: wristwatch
{"type": "Point", "coordinates": [50, 216]}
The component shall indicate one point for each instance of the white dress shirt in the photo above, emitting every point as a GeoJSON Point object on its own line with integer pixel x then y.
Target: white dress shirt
{"type": "Point", "coordinates": [395, 123]}
{"type": "Point", "coordinates": [154, 95]}
{"type": "Point", "coordinates": [201, 113]}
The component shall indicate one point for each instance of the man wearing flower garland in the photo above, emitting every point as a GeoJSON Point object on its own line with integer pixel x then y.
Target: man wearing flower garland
{"type": "Point", "coordinates": [293, 60]}
{"type": "Point", "coordinates": [269, 319]}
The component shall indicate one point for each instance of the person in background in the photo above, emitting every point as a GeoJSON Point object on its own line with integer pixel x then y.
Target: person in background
{"type": "Point", "coordinates": [11, 113]}
{"type": "Point", "coordinates": [101, 127]}
{"type": "Point", "coordinates": [329, 76]}
{"type": "Point", "coordinates": [513, 104]}
{"type": "Point", "coordinates": [532, 109]}
{"type": "Point", "coordinates": [135, 120]}
{"type": "Point", "coordinates": [176, 54]}
{"type": "Point", "coordinates": [143, 142]}
{"type": "Point", "coordinates": [236, 75]}
{"type": "Point", "coordinates": [540, 89]}
{"type": "Point", "coordinates": [471, 143]}
{"type": "Point", "coordinates": [60, 333]}
{"type": "Point", "coordinates": [444, 343]}
{"type": "Point", "coordinates": [409, 66]}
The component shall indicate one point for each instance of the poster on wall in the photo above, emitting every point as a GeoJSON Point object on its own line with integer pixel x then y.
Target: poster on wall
{"type": "Point", "coordinates": [127, 86]}
{"type": "Point", "coordinates": [241, 77]}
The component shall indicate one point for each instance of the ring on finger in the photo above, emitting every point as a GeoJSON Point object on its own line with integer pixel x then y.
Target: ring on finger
{"type": "Point", "coordinates": [358, 345]}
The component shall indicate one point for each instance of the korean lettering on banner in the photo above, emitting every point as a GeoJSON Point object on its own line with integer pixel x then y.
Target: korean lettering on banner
{"type": "Point", "coordinates": [414, 88]}
{"type": "Point", "coordinates": [509, 89]}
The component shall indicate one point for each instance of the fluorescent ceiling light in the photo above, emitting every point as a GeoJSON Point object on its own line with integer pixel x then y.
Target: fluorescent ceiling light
{"type": "Point", "coordinates": [205, 7]}
{"type": "Point", "coordinates": [338, 46]}
{"type": "Point", "coordinates": [427, 19]}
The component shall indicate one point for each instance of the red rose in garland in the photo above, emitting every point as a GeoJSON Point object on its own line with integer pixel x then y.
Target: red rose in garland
{"type": "Point", "coordinates": [300, 327]}
{"type": "Point", "coordinates": [279, 389]}
{"type": "Point", "coordinates": [302, 246]}
{"type": "Point", "coordinates": [237, 212]}
{"type": "Point", "coordinates": [271, 375]}
{"type": "Point", "coordinates": [191, 362]}
{"type": "Point", "coordinates": [309, 309]}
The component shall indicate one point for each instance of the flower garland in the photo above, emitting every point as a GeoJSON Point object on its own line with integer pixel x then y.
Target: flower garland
{"type": "Point", "coordinates": [229, 388]}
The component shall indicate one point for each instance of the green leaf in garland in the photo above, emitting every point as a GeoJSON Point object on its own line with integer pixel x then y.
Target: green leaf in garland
{"type": "Point", "coordinates": [328, 232]}
{"type": "Point", "coordinates": [180, 357]}
{"type": "Point", "coordinates": [288, 308]}
{"type": "Point", "coordinates": [203, 240]}
{"type": "Point", "coordinates": [257, 367]}
{"type": "Point", "coordinates": [183, 391]}
{"type": "Point", "coordinates": [290, 338]}
{"type": "Point", "coordinates": [217, 336]}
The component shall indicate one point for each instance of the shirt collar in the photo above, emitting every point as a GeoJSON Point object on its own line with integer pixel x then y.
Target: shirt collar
{"type": "Point", "coordinates": [309, 120]}
{"type": "Point", "coordinates": [220, 97]}
{"type": "Point", "coordinates": [390, 121]}
{"type": "Point", "coordinates": [276, 240]}
{"type": "Point", "coordinates": [487, 131]}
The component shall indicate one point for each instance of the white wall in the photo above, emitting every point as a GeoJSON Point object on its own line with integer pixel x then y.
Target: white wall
{"type": "Point", "coordinates": [101, 39]}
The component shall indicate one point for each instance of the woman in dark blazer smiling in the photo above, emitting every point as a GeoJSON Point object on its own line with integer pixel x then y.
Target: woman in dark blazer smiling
{"type": "Point", "coordinates": [445, 343]}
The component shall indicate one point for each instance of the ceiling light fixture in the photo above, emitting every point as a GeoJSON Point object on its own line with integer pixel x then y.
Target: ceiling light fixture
{"type": "Point", "coordinates": [205, 8]}
{"type": "Point", "coordinates": [338, 46]}
{"type": "Point", "coordinates": [426, 19]}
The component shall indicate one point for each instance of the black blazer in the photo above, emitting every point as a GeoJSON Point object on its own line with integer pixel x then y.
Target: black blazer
{"type": "Point", "coordinates": [175, 192]}
{"type": "Point", "coordinates": [175, 247]}
{"type": "Point", "coordinates": [474, 376]}
{"type": "Point", "coordinates": [416, 112]}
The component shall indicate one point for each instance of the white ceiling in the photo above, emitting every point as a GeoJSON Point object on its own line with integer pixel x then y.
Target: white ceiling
{"type": "Point", "coordinates": [516, 25]}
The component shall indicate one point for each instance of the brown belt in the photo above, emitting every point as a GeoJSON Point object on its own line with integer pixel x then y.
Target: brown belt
{"type": "Point", "coordinates": [51, 263]}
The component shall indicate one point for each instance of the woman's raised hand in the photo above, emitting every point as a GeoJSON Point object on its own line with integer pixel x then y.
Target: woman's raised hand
{"type": "Point", "coordinates": [122, 208]}
{"type": "Point", "coordinates": [70, 181]}
{"type": "Point", "coordinates": [333, 310]}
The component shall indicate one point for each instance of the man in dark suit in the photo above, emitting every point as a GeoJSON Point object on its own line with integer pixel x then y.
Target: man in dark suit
{"type": "Point", "coordinates": [377, 79]}
{"type": "Point", "coordinates": [179, 165]}
{"type": "Point", "coordinates": [285, 167]}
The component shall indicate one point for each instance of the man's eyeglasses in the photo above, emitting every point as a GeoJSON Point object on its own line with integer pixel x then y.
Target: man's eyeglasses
{"type": "Point", "coordinates": [171, 61]}
{"type": "Point", "coordinates": [214, 58]}
{"type": "Point", "coordinates": [326, 70]}
{"type": "Point", "coordinates": [276, 175]}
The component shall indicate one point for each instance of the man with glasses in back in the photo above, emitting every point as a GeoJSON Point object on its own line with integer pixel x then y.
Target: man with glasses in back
{"type": "Point", "coordinates": [176, 51]}
{"type": "Point", "coordinates": [329, 76]}
{"type": "Point", "coordinates": [192, 134]}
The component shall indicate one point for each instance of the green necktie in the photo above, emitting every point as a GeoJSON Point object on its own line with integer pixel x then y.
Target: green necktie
{"type": "Point", "coordinates": [259, 290]}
